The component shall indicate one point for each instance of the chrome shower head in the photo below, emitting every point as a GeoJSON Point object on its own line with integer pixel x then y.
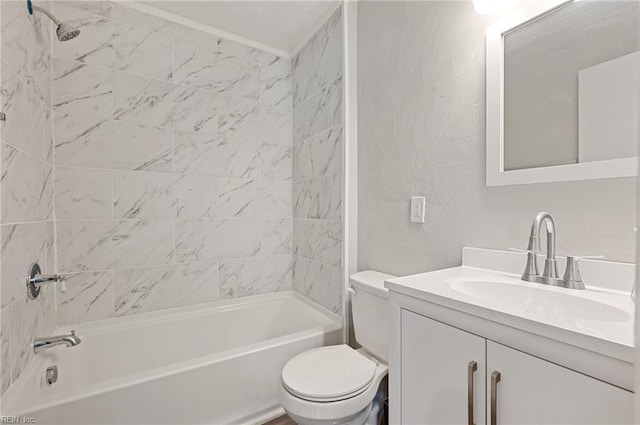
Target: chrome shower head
{"type": "Point", "coordinates": [64, 31]}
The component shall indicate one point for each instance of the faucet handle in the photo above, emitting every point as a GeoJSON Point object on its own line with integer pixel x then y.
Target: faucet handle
{"type": "Point", "coordinates": [63, 285]}
{"type": "Point", "coordinates": [572, 278]}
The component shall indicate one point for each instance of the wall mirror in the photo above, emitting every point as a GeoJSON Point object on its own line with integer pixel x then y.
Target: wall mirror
{"type": "Point", "coordinates": [563, 92]}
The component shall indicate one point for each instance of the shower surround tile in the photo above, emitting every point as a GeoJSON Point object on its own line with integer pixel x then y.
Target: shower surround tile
{"type": "Point", "coordinates": [254, 276]}
{"type": "Point", "coordinates": [238, 50]}
{"type": "Point", "coordinates": [157, 288]}
{"type": "Point", "coordinates": [89, 297]}
{"type": "Point", "coordinates": [318, 155]}
{"type": "Point", "coordinates": [5, 351]}
{"type": "Point", "coordinates": [251, 123]}
{"type": "Point", "coordinates": [163, 104]}
{"type": "Point", "coordinates": [27, 190]}
{"type": "Point", "coordinates": [138, 194]}
{"type": "Point", "coordinates": [313, 115]}
{"type": "Point", "coordinates": [214, 155]}
{"type": "Point", "coordinates": [254, 198]}
{"type": "Point", "coordinates": [319, 62]}
{"type": "Point", "coordinates": [115, 45]}
{"type": "Point", "coordinates": [197, 196]}
{"type": "Point", "coordinates": [275, 83]}
{"type": "Point", "coordinates": [22, 106]}
{"type": "Point", "coordinates": [102, 143]}
{"type": "Point", "coordinates": [211, 239]}
{"type": "Point", "coordinates": [277, 162]}
{"type": "Point", "coordinates": [25, 47]}
{"type": "Point", "coordinates": [82, 89]}
{"type": "Point", "coordinates": [205, 68]}
{"type": "Point", "coordinates": [113, 244]}
{"type": "Point", "coordinates": [276, 236]}
{"type": "Point", "coordinates": [318, 240]}
{"type": "Point", "coordinates": [313, 198]}
{"type": "Point", "coordinates": [319, 282]}
{"type": "Point", "coordinates": [83, 194]}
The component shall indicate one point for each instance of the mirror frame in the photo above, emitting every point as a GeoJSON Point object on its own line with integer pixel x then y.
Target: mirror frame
{"type": "Point", "coordinates": [495, 172]}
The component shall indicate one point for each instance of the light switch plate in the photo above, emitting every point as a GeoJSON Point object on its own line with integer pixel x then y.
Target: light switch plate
{"type": "Point", "coordinates": [417, 209]}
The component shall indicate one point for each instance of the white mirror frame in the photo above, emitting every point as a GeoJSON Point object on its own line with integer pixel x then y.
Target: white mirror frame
{"type": "Point", "coordinates": [495, 173]}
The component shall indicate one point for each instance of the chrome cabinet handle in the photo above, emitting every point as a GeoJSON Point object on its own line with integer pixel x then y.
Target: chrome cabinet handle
{"type": "Point", "coordinates": [495, 378]}
{"type": "Point", "coordinates": [471, 367]}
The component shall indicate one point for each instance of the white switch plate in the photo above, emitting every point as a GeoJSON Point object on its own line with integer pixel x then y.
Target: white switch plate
{"type": "Point", "coordinates": [417, 209]}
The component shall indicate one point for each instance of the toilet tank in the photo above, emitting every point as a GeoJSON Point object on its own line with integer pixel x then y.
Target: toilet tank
{"type": "Point", "coordinates": [370, 311]}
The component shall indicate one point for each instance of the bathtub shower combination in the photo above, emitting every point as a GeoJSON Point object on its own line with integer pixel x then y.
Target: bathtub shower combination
{"type": "Point", "coordinates": [211, 364]}
{"type": "Point", "coordinates": [160, 186]}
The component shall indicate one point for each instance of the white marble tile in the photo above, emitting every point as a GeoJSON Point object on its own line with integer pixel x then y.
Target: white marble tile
{"type": "Point", "coordinates": [210, 239]}
{"type": "Point", "coordinates": [313, 115]}
{"type": "Point", "coordinates": [239, 50]}
{"type": "Point", "coordinates": [312, 198]}
{"type": "Point", "coordinates": [25, 47]}
{"type": "Point", "coordinates": [337, 197]}
{"type": "Point", "coordinates": [89, 297]}
{"type": "Point", "coordinates": [98, 143]}
{"type": "Point", "coordinates": [5, 351]}
{"type": "Point", "coordinates": [156, 288]}
{"type": "Point", "coordinates": [338, 96]}
{"type": "Point", "coordinates": [318, 282]}
{"type": "Point", "coordinates": [83, 193]}
{"type": "Point", "coordinates": [26, 187]}
{"type": "Point", "coordinates": [48, 137]}
{"type": "Point", "coordinates": [29, 319]}
{"type": "Point", "coordinates": [197, 196]}
{"type": "Point", "coordinates": [142, 194]}
{"type": "Point", "coordinates": [113, 244]}
{"type": "Point", "coordinates": [253, 276]}
{"type": "Point", "coordinates": [318, 240]}
{"type": "Point", "coordinates": [246, 122]}
{"type": "Point", "coordinates": [203, 67]}
{"type": "Point", "coordinates": [275, 83]}
{"type": "Point", "coordinates": [81, 89]}
{"type": "Point", "coordinates": [277, 162]}
{"type": "Point", "coordinates": [318, 155]}
{"type": "Point", "coordinates": [49, 246]}
{"type": "Point", "coordinates": [96, 7]}
{"type": "Point", "coordinates": [254, 198]}
{"type": "Point", "coordinates": [276, 236]}
{"type": "Point", "coordinates": [164, 104]}
{"type": "Point", "coordinates": [21, 245]}
{"type": "Point", "coordinates": [115, 45]}
{"type": "Point", "coordinates": [319, 62]}
{"type": "Point", "coordinates": [26, 114]}
{"type": "Point", "coordinates": [214, 155]}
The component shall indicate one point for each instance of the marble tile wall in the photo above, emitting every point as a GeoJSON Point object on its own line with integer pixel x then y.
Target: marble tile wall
{"type": "Point", "coordinates": [173, 165]}
{"type": "Point", "coordinates": [318, 166]}
{"type": "Point", "coordinates": [26, 185]}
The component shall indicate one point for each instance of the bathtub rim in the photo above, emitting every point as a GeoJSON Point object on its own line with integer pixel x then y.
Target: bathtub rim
{"type": "Point", "coordinates": [13, 405]}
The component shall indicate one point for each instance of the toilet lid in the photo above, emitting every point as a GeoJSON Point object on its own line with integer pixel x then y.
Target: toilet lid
{"type": "Point", "coordinates": [328, 373]}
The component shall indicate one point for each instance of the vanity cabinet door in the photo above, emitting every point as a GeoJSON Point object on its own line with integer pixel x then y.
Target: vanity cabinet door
{"type": "Point", "coordinates": [436, 370]}
{"type": "Point", "coordinates": [534, 391]}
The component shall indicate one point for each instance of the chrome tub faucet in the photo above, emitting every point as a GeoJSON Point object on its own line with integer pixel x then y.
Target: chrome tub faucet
{"type": "Point", "coordinates": [70, 340]}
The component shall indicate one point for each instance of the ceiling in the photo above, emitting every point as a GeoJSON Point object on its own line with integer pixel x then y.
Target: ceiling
{"type": "Point", "coordinates": [282, 25]}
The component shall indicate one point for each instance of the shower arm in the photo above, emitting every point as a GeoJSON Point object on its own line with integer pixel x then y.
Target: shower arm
{"type": "Point", "coordinates": [46, 12]}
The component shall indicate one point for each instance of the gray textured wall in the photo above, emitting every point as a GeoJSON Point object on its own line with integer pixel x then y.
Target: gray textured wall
{"type": "Point", "coordinates": [421, 131]}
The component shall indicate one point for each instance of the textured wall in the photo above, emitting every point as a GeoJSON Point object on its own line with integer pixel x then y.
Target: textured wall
{"type": "Point", "coordinates": [421, 131]}
{"type": "Point", "coordinates": [317, 166]}
{"type": "Point", "coordinates": [26, 185]}
{"type": "Point", "coordinates": [172, 165]}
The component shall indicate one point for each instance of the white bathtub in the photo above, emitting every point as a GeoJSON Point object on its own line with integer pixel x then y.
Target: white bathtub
{"type": "Point", "coordinates": [216, 363]}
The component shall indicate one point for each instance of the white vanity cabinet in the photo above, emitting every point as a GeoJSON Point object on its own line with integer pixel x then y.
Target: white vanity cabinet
{"type": "Point", "coordinates": [438, 383]}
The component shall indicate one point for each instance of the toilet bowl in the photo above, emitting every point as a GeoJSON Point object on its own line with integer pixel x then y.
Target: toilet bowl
{"type": "Point", "coordinates": [336, 385]}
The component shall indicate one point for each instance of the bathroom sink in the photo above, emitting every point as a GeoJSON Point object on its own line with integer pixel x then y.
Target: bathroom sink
{"type": "Point", "coordinates": [534, 299]}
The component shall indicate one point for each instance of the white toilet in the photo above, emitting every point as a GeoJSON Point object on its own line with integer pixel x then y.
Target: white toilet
{"type": "Point", "coordinates": [336, 384]}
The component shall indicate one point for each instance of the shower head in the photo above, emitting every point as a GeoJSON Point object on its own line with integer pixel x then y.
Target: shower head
{"type": "Point", "coordinates": [64, 31]}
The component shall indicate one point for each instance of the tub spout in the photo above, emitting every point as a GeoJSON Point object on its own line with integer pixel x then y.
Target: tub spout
{"type": "Point", "coordinates": [70, 340]}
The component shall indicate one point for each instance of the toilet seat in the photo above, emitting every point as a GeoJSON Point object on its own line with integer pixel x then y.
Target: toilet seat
{"type": "Point", "coordinates": [328, 374]}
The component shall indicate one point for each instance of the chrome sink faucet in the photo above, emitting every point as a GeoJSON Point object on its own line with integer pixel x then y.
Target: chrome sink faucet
{"type": "Point", "coordinates": [70, 340]}
{"type": "Point", "coordinates": [550, 274]}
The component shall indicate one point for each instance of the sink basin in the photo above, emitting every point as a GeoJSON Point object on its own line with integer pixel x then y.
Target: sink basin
{"type": "Point", "coordinates": [523, 298]}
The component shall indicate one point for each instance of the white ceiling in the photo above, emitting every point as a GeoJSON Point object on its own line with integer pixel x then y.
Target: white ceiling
{"type": "Point", "coordinates": [281, 25]}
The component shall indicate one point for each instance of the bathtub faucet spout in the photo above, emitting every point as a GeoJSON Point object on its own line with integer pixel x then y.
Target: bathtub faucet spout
{"type": "Point", "coordinates": [70, 340]}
